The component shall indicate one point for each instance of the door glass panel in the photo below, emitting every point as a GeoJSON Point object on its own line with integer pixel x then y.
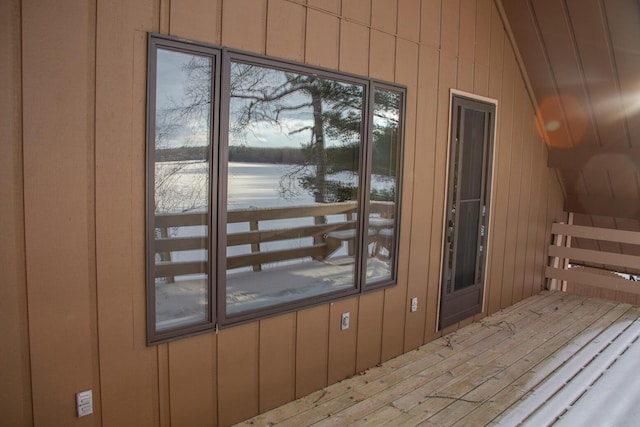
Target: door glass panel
{"type": "Point", "coordinates": [292, 187]}
{"type": "Point", "coordinates": [471, 180]}
{"type": "Point", "coordinates": [466, 244]}
{"type": "Point", "coordinates": [182, 188]}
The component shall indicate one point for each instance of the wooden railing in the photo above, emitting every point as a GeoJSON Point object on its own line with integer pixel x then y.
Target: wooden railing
{"type": "Point", "coordinates": [321, 246]}
{"type": "Point", "coordinates": [562, 255]}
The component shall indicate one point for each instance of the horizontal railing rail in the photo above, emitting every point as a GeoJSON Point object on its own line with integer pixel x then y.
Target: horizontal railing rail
{"type": "Point", "coordinates": [320, 246]}
{"type": "Point", "coordinates": [563, 255]}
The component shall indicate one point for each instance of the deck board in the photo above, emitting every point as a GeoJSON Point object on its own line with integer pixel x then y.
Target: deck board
{"type": "Point", "coordinates": [483, 374]}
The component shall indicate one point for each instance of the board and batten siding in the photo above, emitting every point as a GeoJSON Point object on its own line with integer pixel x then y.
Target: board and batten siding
{"type": "Point", "coordinates": [72, 256]}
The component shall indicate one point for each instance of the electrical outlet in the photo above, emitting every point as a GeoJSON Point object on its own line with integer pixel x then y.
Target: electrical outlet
{"type": "Point", "coordinates": [345, 321]}
{"type": "Point", "coordinates": [414, 304]}
{"type": "Point", "coordinates": [84, 403]}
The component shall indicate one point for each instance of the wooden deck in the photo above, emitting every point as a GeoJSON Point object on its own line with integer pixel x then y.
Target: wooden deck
{"type": "Point", "coordinates": [526, 364]}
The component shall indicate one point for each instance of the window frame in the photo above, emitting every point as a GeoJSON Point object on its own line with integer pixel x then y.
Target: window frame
{"type": "Point", "coordinates": [218, 158]}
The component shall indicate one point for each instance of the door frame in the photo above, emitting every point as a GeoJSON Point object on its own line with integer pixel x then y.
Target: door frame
{"type": "Point", "coordinates": [490, 183]}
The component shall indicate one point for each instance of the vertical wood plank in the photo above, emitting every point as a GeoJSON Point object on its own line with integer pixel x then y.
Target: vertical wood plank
{"type": "Point", "coordinates": [277, 361]}
{"type": "Point", "coordinates": [513, 194]}
{"type": "Point", "coordinates": [537, 167]}
{"type": "Point", "coordinates": [15, 377]}
{"type": "Point", "coordinates": [164, 393]}
{"type": "Point", "coordinates": [420, 267]}
{"type": "Point", "coordinates": [492, 298]}
{"type": "Point", "coordinates": [384, 15]}
{"type": "Point", "coordinates": [466, 45]}
{"type": "Point", "coordinates": [409, 19]}
{"type": "Point", "coordinates": [404, 56]}
{"type": "Point", "coordinates": [450, 27]}
{"type": "Point", "coordinates": [286, 30]}
{"type": "Point", "coordinates": [121, 64]}
{"type": "Point", "coordinates": [482, 50]}
{"type": "Point", "coordinates": [395, 301]}
{"type": "Point", "coordinates": [430, 23]}
{"type": "Point", "coordinates": [251, 34]}
{"type": "Point", "coordinates": [192, 380]}
{"type": "Point", "coordinates": [342, 343]}
{"type": "Point", "coordinates": [332, 6]}
{"type": "Point", "coordinates": [525, 197]}
{"type": "Point", "coordinates": [354, 48]}
{"type": "Point", "coordinates": [467, 35]}
{"type": "Point", "coordinates": [502, 171]}
{"type": "Point", "coordinates": [369, 337]}
{"type": "Point", "coordinates": [382, 56]}
{"type": "Point", "coordinates": [357, 10]}
{"type": "Point", "coordinates": [406, 73]}
{"type": "Point", "coordinates": [199, 20]}
{"type": "Point", "coordinates": [238, 394]}
{"type": "Point", "coordinates": [312, 349]}
{"type": "Point", "coordinates": [58, 204]}
{"type": "Point", "coordinates": [322, 39]}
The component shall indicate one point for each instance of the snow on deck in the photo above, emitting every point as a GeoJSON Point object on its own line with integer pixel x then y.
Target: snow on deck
{"type": "Point", "coordinates": [551, 359]}
{"type": "Point", "coordinates": [185, 301]}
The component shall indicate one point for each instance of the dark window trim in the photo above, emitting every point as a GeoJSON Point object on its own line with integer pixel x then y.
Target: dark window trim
{"type": "Point", "coordinates": [153, 336]}
{"type": "Point", "coordinates": [217, 213]}
{"type": "Point", "coordinates": [376, 84]}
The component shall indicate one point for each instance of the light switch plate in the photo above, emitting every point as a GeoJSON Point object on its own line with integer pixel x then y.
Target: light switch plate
{"type": "Point", "coordinates": [84, 403]}
{"type": "Point", "coordinates": [345, 321]}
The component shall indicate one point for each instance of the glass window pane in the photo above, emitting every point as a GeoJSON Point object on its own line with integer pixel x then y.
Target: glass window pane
{"type": "Point", "coordinates": [383, 197]}
{"type": "Point", "coordinates": [182, 188]}
{"type": "Point", "coordinates": [292, 186]}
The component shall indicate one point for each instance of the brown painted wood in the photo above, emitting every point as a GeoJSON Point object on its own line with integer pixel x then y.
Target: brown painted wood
{"type": "Point", "coordinates": [15, 375]}
{"type": "Point", "coordinates": [419, 248]}
{"type": "Point", "coordinates": [277, 361]}
{"type": "Point", "coordinates": [450, 26]}
{"type": "Point", "coordinates": [354, 48]}
{"type": "Point", "coordinates": [312, 349]}
{"type": "Point", "coordinates": [430, 23]}
{"type": "Point", "coordinates": [192, 381]}
{"type": "Point", "coordinates": [196, 19]}
{"type": "Point", "coordinates": [369, 339]}
{"type": "Point", "coordinates": [409, 20]}
{"type": "Point", "coordinates": [502, 171]}
{"type": "Point", "coordinates": [342, 343]}
{"type": "Point", "coordinates": [322, 39]}
{"type": "Point", "coordinates": [384, 15]}
{"type": "Point", "coordinates": [525, 194]}
{"type": "Point", "coordinates": [164, 391]}
{"type": "Point", "coordinates": [251, 35]}
{"type": "Point", "coordinates": [286, 25]}
{"type": "Point", "coordinates": [57, 181]}
{"type": "Point", "coordinates": [382, 56]}
{"type": "Point", "coordinates": [357, 10]}
{"type": "Point", "coordinates": [121, 65]}
{"type": "Point", "coordinates": [238, 376]}
{"type": "Point", "coordinates": [332, 6]}
{"type": "Point", "coordinates": [406, 73]}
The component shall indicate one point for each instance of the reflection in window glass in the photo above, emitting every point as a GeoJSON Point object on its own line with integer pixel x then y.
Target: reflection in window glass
{"type": "Point", "coordinates": [383, 196]}
{"type": "Point", "coordinates": [181, 184]}
{"type": "Point", "coordinates": [292, 189]}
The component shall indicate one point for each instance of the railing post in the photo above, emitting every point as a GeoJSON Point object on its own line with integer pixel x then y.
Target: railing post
{"type": "Point", "coordinates": [255, 247]}
{"type": "Point", "coordinates": [553, 283]}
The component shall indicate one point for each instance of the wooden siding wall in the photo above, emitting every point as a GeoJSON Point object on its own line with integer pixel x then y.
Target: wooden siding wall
{"type": "Point", "coordinates": [72, 118]}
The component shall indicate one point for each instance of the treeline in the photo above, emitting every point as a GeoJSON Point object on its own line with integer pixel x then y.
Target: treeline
{"type": "Point", "coordinates": [281, 155]}
{"type": "Point", "coordinates": [341, 158]}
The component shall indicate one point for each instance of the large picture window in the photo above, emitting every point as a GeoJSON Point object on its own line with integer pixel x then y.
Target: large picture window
{"type": "Point", "coordinates": [271, 186]}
